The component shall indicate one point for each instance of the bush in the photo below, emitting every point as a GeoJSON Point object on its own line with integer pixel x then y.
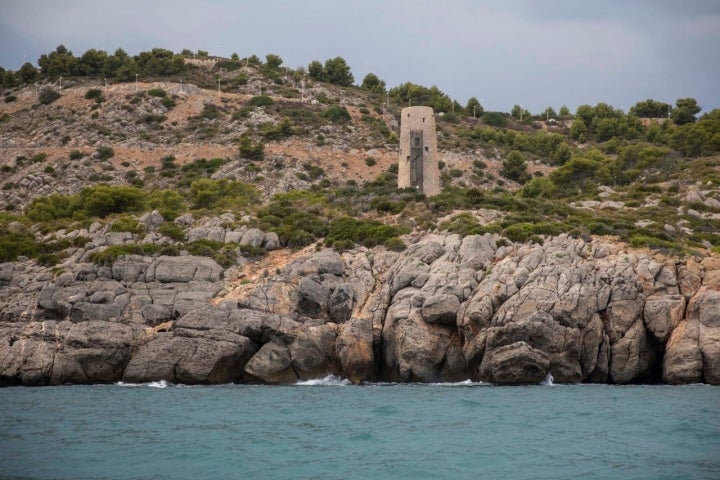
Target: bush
{"type": "Point", "coordinates": [127, 223]}
{"type": "Point", "coordinates": [76, 155]}
{"type": "Point", "coordinates": [93, 94]}
{"type": "Point", "coordinates": [283, 129]}
{"type": "Point", "coordinates": [171, 230]}
{"type": "Point", "coordinates": [210, 111]}
{"type": "Point", "coordinates": [207, 193]}
{"type": "Point", "coordinates": [10, 98]}
{"type": "Point", "coordinates": [108, 256]}
{"type": "Point", "coordinates": [39, 157]}
{"type": "Point", "coordinates": [169, 203]}
{"type": "Point", "coordinates": [168, 103]}
{"type": "Point", "coordinates": [157, 92]}
{"type": "Point", "coordinates": [370, 161]}
{"type": "Point", "coordinates": [105, 153]}
{"type": "Point", "coordinates": [496, 119]}
{"type": "Point", "coordinates": [260, 101]}
{"type": "Point", "coordinates": [250, 150]}
{"type": "Point", "coordinates": [368, 233]}
{"type": "Point", "coordinates": [48, 95]}
{"type": "Point", "coordinates": [337, 114]}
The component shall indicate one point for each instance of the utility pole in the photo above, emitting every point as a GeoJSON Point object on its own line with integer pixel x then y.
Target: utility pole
{"type": "Point", "coordinates": [217, 53]}
{"type": "Point", "coordinates": [136, 78]}
{"type": "Point", "coordinates": [474, 106]}
{"type": "Point", "coordinates": [218, 87]}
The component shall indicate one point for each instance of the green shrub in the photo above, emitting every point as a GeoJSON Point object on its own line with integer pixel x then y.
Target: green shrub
{"type": "Point", "coordinates": [169, 203]}
{"type": "Point", "coordinates": [157, 92]}
{"type": "Point", "coordinates": [283, 129]}
{"type": "Point", "coordinates": [260, 101]}
{"type": "Point", "coordinates": [337, 114]}
{"type": "Point", "coordinates": [76, 155]}
{"type": "Point", "coordinates": [105, 153]}
{"type": "Point", "coordinates": [210, 111]}
{"type": "Point", "coordinates": [171, 230]}
{"type": "Point", "coordinates": [395, 244]}
{"type": "Point", "coordinates": [370, 161]}
{"type": "Point", "coordinates": [93, 94]}
{"type": "Point", "coordinates": [207, 193]}
{"type": "Point", "coordinates": [496, 119]}
{"type": "Point", "coordinates": [168, 103]}
{"type": "Point", "coordinates": [39, 157]}
{"type": "Point", "coordinates": [250, 150]}
{"type": "Point", "coordinates": [127, 223]}
{"type": "Point", "coordinates": [10, 98]}
{"type": "Point", "coordinates": [48, 95]}
{"type": "Point", "coordinates": [108, 256]}
{"type": "Point", "coordinates": [368, 233]}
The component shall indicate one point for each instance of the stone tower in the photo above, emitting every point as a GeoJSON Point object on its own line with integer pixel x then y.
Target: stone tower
{"type": "Point", "coordinates": [418, 163]}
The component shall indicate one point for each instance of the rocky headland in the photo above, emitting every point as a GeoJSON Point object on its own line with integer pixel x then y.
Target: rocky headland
{"type": "Point", "coordinates": [447, 308]}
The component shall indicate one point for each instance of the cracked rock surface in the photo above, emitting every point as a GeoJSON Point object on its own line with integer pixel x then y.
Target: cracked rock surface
{"type": "Point", "coordinates": [448, 308]}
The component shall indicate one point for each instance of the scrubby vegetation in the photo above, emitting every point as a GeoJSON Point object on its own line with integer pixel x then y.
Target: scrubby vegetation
{"type": "Point", "coordinates": [597, 171]}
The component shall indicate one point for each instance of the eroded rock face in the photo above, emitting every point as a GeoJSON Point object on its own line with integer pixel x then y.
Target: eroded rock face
{"type": "Point", "coordinates": [446, 309]}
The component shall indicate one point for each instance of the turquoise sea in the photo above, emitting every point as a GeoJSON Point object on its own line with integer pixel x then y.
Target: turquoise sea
{"type": "Point", "coordinates": [330, 430]}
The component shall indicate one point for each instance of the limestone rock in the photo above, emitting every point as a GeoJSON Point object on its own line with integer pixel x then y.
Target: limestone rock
{"type": "Point", "coordinates": [518, 364]}
{"type": "Point", "coordinates": [441, 308]}
{"type": "Point", "coordinates": [272, 364]}
{"type": "Point", "coordinates": [183, 269]}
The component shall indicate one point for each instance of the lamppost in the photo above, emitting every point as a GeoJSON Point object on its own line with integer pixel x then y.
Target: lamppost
{"type": "Point", "coordinates": [218, 87]}
{"type": "Point", "coordinates": [136, 79]}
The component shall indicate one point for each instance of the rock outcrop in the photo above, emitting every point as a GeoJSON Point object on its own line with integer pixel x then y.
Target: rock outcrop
{"type": "Point", "coordinates": [448, 308]}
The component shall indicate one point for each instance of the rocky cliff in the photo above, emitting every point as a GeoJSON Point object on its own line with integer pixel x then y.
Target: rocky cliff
{"type": "Point", "coordinates": [447, 308]}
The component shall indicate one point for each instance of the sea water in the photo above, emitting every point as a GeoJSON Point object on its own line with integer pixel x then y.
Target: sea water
{"type": "Point", "coordinates": [329, 429]}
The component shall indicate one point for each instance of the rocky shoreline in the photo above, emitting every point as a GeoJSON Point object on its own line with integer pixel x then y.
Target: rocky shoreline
{"type": "Point", "coordinates": [448, 308]}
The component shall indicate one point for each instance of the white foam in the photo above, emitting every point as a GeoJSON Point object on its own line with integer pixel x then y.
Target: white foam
{"type": "Point", "coordinates": [330, 380]}
{"type": "Point", "coordinates": [158, 384]}
{"type": "Point", "coordinates": [548, 380]}
{"type": "Point", "coordinates": [464, 383]}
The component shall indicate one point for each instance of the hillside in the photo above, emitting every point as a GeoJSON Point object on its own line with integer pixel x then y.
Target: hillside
{"type": "Point", "coordinates": [263, 201]}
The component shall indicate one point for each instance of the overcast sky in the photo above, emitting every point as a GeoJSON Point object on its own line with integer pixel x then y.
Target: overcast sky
{"type": "Point", "coordinates": [527, 52]}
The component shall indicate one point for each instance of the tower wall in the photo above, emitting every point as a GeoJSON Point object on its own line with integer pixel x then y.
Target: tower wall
{"type": "Point", "coordinates": [417, 134]}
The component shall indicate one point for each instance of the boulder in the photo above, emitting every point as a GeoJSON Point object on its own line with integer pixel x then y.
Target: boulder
{"type": "Point", "coordinates": [152, 221]}
{"type": "Point", "coordinates": [183, 269]}
{"type": "Point", "coordinates": [272, 364]}
{"type": "Point", "coordinates": [312, 297]}
{"type": "Point", "coordinates": [441, 308]}
{"type": "Point", "coordinates": [340, 303]}
{"type": "Point", "coordinates": [518, 364]}
{"type": "Point", "coordinates": [253, 237]}
{"type": "Point", "coordinates": [271, 241]}
{"type": "Point", "coordinates": [190, 360]}
{"type": "Point", "coordinates": [354, 347]}
{"type": "Point", "coordinates": [662, 314]}
{"type": "Point", "coordinates": [683, 361]}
